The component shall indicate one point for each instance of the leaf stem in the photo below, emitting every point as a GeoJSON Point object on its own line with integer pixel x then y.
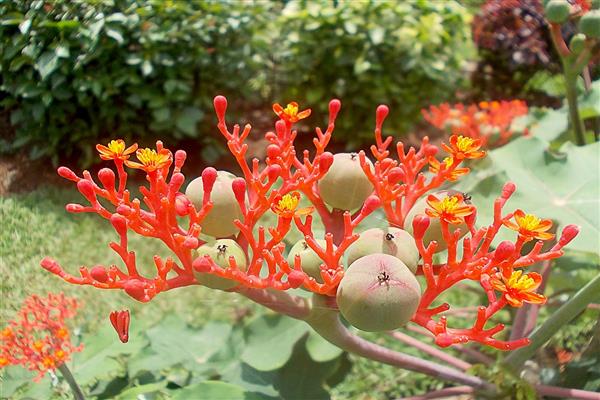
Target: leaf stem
{"type": "Point", "coordinates": [561, 317]}
{"type": "Point", "coordinates": [66, 373]}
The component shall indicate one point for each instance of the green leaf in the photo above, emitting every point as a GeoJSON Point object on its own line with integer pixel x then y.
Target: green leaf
{"type": "Point", "coordinates": [137, 392]}
{"type": "Point", "coordinates": [47, 63]}
{"type": "Point", "coordinates": [99, 358]}
{"type": "Point", "coordinates": [562, 187]}
{"type": "Point", "coordinates": [115, 34]}
{"type": "Point", "coordinates": [13, 378]}
{"type": "Point", "coordinates": [550, 125]}
{"type": "Point", "coordinates": [589, 102]}
{"type": "Point", "coordinates": [270, 340]}
{"type": "Point", "coordinates": [187, 120]}
{"type": "Point", "coordinates": [320, 350]}
{"type": "Point", "coordinates": [210, 390]}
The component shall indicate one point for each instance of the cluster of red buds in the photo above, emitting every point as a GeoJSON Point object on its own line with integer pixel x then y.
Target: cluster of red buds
{"type": "Point", "coordinates": [343, 190]}
{"type": "Point", "coordinates": [488, 121]}
{"type": "Point", "coordinates": [38, 339]}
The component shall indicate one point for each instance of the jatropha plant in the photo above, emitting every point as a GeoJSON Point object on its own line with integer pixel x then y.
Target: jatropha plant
{"type": "Point", "coordinates": [39, 338]}
{"type": "Point", "coordinates": [378, 279]}
{"type": "Point", "coordinates": [489, 121]}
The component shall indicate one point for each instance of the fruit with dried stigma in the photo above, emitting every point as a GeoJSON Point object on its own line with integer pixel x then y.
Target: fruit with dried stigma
{"type": "Point", "coordinates": [393, 241]}
{"type": "Point", "coordinates": [345, 185]}
{"type": "Point", "coordinates": [309, 260]}
{"type": "Point", "coordinates": [219, 252]}
{"type": "Point", "coordinates": [219, 220]}
{"type": "Point", "coordinates": [378, 293]}
{"type": "Point", "coordinates": [434, 232]}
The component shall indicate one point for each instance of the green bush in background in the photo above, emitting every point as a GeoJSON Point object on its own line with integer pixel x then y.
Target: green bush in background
{"type": "Point", "coordinates": [78, 72]}
{"type": "Point", "coordinates": [407, 54]}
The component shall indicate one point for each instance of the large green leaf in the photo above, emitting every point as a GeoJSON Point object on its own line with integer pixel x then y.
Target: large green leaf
{"type": "Point", "coordinates": [270, 340]}
{"type": "Point", "coordinates": [563, 187]}
{"type": "Point", "coordinates": [321, 350]}
{"type": "Point", "coordinates": [138, 392]}
{"type": "Point", "coordinates": [210, 390]}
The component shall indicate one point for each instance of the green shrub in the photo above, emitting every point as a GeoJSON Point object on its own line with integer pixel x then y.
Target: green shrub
{"type": "Point", "coordinates": [407, 54]}
{"type": "Point", "coordinates": [77, 72]}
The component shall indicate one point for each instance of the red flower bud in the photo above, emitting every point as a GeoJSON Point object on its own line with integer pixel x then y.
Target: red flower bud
{"type": "Point", "coordinates": [430, 150]}
{"type": "Point", "coordinates": [99, 273]}
{"type": "Point", "coordinates": [136, 289]}
{"type": "Point", "coordinates": [508, 189]}
{"type": "Point", "coordinates": [67, 173]}
{"type": "Point", "coordinates": [120, 321]}
{"type": "Point", "coordinates": [180, 157]}
{"type": "Point", "coordinates": [176, 181]}
{"type": "Point", "coordinates": [74, 208]}
{"type": "Point", "coordinates": [380, 115]}
{"type": "Point", "coordinates": [220, 103]}
{"type": "Point", "coordinates": [370, 204]}
{"type": "Point", "coordinates": [238, 185]}
{"type": "Point", "coordinates": [209, 176]}
{"type": "Point", "coordinates": [273, 171]}
{"type": "Point", "coordinates": [504, 250]}
{"type": "Point", "coordinates": [120, 223]}
{"type": "Point", "coordinates": [420, 225]}
{"type": "Point", "coordinates": [86, 188]}
{"type": "Point", "coordinates": [325, 161]}
{"type": "Point", "coordinates": [202, 264]}
{"type": "Point", "coordinates": [296, 278]}
{"type": "Point", "coordinates": [568, 234]}
{"type": "Point", "coordinates": [334, 109]}
{"type": "Point", "coordinates": [50, 265]}
{"type": "Point", "coordinates": [395, 175]}
{"type": "Point", "coordinates": [181, 204]}
{"type": "Point", "coordinates": [107, 177]}
{"type": "Point", "coordinates": [124, 210]}
{"type": "Point", "coordinates": [191, 242]}
{"type": "Point", "coordinates": [280, 128]}
{"type": "Point", "coordinates": [273, 151]}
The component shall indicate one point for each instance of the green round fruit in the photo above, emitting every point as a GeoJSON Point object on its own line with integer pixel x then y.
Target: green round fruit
{"type": "Point", "coordinates": [345, 185]}
{"type": "Point", "coordinates": [309, 260]}
{"type": "Point", "coordinates": [595, 4]}
{"type": "Point", "coordinates": [589, 24]}
{"type": "Point", "coordinates": [378, 293]}
{"type": "Point", "coordinates": [219, 221]}
{"type": "Point", "coordinates": [577, 43]}
{"type": "Point", "coordinates": [557, 11]}
{"type": "Point", "coordinates": [393, 241]}
{"type": "Point", "coordinates": [219, 252]}
{"type": "Point", "coordinates": [434, 232]}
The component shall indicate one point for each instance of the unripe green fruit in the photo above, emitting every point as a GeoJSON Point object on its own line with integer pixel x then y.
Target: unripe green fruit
{"type": "Point", "coordinates": [219, 252]}
{"type": "Point", "coordinates": [589, 24]}
{"type": "Point", "coordinates": [219, 220]}
{"type": "Point", "coordinates": [393, 241]}
{"type": "Point", "coordinates": [434, 231]}
{"type": "Point", "coordinates": [577, 43]}
{"type": "Point", "coordinates": [309, 260]}
{"type": "Point", "coordinates": [378, 293]}
{"type": "Point", "coordinates": [595, 4]}
{"type": "Point", "coordinates": [345, 185]}
{"type": "Point", "coordinates": [557, 11]}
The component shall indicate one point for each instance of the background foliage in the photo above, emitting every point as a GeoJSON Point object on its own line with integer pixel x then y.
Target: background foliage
{"type": "Point", "coordinates": [78, 72]}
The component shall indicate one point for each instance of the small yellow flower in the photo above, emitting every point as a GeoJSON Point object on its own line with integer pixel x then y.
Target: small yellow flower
{"type": "Point", "coordinates": [435, 166]}
{"type": "Point", "coordinates": [150, 159]}
{"type": "Point", "coordinates": [519, 288]}
{"type": "Point", "coordinates": [285, 206]}
{"type": "Point", "coordinates": [530, 227]}
{"type": "Point", "coordinates": [116, 150]}
{"type": "Point", "coordinates": [463, 147]}
{"type": "Point", "coordinates": [451, 209]}
{"type": "Point", "coordinates": [291, 112]}
{"type": "Point", "coordinates": [38, 345]}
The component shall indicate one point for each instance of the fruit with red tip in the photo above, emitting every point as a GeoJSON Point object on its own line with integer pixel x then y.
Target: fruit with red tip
{"type": "Point", "coordinates": [434, 231]}
{"type": "Point", "coordinates": [393, 241]}
{"type": "Point", "coordinates": [345, 185]}
{"type": "Point", "coordinates": [219, 220]}
{"type": "Point", "coordinates": [219, 252]}
{"type": "Point", "coordinates": [378, 293]}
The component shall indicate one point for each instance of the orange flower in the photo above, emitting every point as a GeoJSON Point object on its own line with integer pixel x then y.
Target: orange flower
{"type": "Point", "coordinates": [290, 113]}
{"type": "Point", "coordinates": [434, 168]}
{"type": "Point", "coordinates": [451, 209]}
{"type": "Point", "coordinates": [116, 150]}
{"type": "Point", "coordinates": [285, 206]}
{"type": "Point", "coordinates": [462, 147]}
{"type": "Point", "coordinates": [530, 227]}
{"type": "Point", "coordinates": [150, 159]}
{"type": "Point", "coordinates": [519, 288]}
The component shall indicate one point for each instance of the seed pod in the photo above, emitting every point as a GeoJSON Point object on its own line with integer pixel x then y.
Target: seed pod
{"type": "Point", "coordinates": [345, 185]}
{"type": "Point", "coordinates": [434, 232]}
{"type": "Point", "coordinates": [393, 241]}
{"type": "Point", "coordinates": [309, 260]}
{"type": "Point", "coordinates": [589, 24]}
{"type": "Point", "coordinates": [557, 11]}
{"type": "Point", "coordinates": [378, 293]}
{"type": "Point", "coordinates": [219, 220]}
{"type": "Point", "coordinates": [219, 252]}
{"type": "Point", "coordinates": [577, 43]}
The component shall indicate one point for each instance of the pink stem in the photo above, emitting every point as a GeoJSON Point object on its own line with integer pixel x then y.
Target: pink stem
{"type": "Point", "coordinates": [451, 391]}
{"type": "Point", "coordinates": [424, 347]}
{"type": "Point", "coordinates": [566, 393]}
{"type": "Point", "coordinates": [474, 354]}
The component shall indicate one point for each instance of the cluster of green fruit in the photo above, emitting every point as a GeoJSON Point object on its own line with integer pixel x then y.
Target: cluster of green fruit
{"type": "Point", "coordinates": [379, 290]}
{"type": "Point", "coordinates": [559, 11]}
